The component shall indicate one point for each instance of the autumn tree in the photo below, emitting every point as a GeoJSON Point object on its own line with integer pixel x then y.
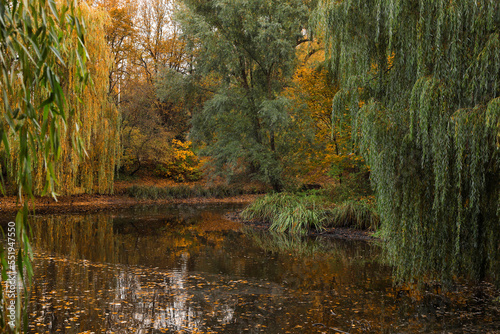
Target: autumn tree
{"type": "Point", "coordinates": [429, 72]}
{"type": "Point", "coordinates": [36, 121]}
{"type": "Point", "coordinates": [320, 147]}
{"type": "Point", "coordinates": [143, 135]}
{"type": "Point", "coordinates": [121, 36]}
{"type": "Point", "coordinates": [249, 46]}
{"type": "Point", "coordinates": [144, 41]}
{"type": "Point", "coordinates": [160, 48]}
{"type": "Point", "coordinates": [158, 44]}
{"type": "Point", "coordinates": [96, 120]}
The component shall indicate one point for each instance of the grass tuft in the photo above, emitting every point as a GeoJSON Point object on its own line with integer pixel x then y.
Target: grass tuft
{"type": "Point", "coordinates": [360, 214]}
{"type": "Point", "coordinates": [287, 212]}
{"type": "Point", "coordinates": [297, 214]}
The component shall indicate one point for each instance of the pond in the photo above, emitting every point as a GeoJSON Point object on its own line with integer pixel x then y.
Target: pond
{"type": "Point", "coordinates": [188, 269]}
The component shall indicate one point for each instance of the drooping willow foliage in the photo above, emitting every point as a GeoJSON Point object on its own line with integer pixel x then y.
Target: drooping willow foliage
{"type": "Point", "coordinates": [98, 117]}
{"type": "Point", "coordinates": [92, 115]}
{"type": "Point", "coordinates": [33, 111]}
{"type": "Point", "coordinates": [421, 79]}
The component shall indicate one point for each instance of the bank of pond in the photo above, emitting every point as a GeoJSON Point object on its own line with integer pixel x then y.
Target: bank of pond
{"type": "Point", "coordinates": [188, 269]}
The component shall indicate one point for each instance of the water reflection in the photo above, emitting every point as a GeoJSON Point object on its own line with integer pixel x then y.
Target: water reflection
{"type": "Point", "coordinates": [188, 270]}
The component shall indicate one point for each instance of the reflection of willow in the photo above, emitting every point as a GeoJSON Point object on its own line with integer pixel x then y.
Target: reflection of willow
{"type": "Point", "coordinates": [285, 243]}
{"type": "Point", "coordinates": [79, 237]}
{"type": "Point", "coordinates": [322, 263]}
{"type": "Point", "coordinates": [349, 252]}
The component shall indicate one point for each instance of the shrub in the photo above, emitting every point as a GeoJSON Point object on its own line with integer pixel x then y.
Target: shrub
{"type": "Point", "coordinates": [183, 165]}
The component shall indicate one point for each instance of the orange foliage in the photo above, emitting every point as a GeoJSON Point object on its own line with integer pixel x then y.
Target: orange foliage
{"type": "Point", "coordinates": [332, 150]}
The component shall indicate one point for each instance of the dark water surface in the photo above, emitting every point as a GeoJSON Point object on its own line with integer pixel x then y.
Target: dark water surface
{"type": "Point", "coordinates": [187, 269]}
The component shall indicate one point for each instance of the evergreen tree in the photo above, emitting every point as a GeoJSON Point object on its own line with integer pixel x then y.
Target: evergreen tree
{"type": "Point", "coordinates": [421, 80]}
{"type": "Point", "coordinates": [248, 47]}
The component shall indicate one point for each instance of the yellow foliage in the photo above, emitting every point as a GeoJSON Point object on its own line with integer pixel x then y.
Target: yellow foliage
{"type": "Point", "coordinates": [182, 164]}
{"type": "Point", "coordinates": [332, 149]}
{"type": "Point", "coordinates": [97, 119]}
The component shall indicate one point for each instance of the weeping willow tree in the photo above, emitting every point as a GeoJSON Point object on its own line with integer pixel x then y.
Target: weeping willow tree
{"type": "Point", "coordinates": [32, 34]}
{"type": "Point", "coordinates": [92, 115]}
{"type": "Point", "coordinates": [421, 81]}
{"type": "Point", "coordinates": [96, 116]}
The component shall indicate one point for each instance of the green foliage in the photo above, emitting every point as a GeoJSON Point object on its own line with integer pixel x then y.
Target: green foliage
{"type": "Point", "coordinates": [359, 214]}
{"type": "Point", "coordinates": [421, 81]}
{"type": "Point", "coordinates": [96, 120]}
{"type": "Point", "coordinates": [249, 47]}
{"type": "Point", "coordinates": [299, 213]}
{"type": "Point", "coordinates": [350, 184]}
{"type": "Point", "coordinates": [32, 35]}
{"type": "Point", "coordinates": [31, 48]}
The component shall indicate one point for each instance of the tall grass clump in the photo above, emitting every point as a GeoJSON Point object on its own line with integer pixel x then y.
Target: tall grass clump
{"type": "Point", "coordinates": [359, 214]}
{"type": "Point", "coordinates": [288, 212]}
{"type": "Point", "coordinates": [298, 213]}
{"type": "Point", "coordinates": [299, 219]}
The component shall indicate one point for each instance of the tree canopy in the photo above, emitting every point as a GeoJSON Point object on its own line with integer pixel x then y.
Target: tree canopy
{"type": "Point", "coordinates": [421, 81]}
{"type": "Point", "coordinates": [35, 35]}
{"type": "Point", "coordinates": [248, 47]}
{"type": "Point", "coordinates": [95, 120]}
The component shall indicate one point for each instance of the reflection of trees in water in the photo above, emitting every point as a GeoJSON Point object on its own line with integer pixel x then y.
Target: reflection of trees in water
{"type": "Point", "coordinates": [78, 237]}
{"type": "Point", "coordinates": [86, 248]}
{"type": "Point", "coordinates": [126, 275]}
{"type": "Point", "coordinates": [154, 304]}
{"type": "Point", "coordinates": [320, 263]}
{"type": "Point", "coordinates": [111, 297]}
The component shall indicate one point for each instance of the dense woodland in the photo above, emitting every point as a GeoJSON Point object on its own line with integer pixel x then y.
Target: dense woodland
{"type": "Point", "coordinates": [392, 106]}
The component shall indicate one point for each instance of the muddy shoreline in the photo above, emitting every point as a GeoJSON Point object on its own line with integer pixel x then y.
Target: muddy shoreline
{"type": "Point", "coordinates": [96, 203]}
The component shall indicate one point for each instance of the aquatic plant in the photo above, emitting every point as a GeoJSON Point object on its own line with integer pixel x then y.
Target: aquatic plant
{"type": "Point", "coordinates": [360, 214]}
{"type": "Point", "coordinates": [298, 213]}
{"type": "Point", "coordinates": [288, 212]}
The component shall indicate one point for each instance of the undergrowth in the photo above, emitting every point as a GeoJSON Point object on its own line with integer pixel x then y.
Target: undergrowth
{"type": "Point", "coordinates": [299, 213]}
{"type": "Point", "coordinates": [355, 213]}
{"type": "Point", "coordinates": [185, 191]}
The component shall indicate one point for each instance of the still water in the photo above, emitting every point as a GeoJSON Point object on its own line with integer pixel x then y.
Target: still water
{"type": "Point", "coordinates": [187, 269]}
